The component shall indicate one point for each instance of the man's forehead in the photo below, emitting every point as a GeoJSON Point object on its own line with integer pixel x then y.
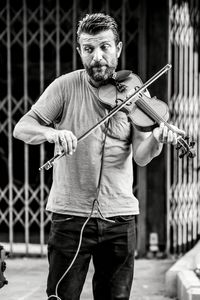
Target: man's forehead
{"type": "Point", "coordinates": [86, 38]}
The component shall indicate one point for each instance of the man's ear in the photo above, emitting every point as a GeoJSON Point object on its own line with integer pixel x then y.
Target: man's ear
{"type": "Point", "coordinates": [79, 50]}
{"type": "Point", "coordinates": [119, 49]}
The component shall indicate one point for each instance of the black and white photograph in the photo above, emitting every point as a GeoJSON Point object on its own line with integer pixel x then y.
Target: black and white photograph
{"type": "Point", "coordinates": [99, 150]}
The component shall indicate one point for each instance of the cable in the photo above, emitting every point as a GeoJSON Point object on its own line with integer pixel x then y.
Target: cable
{"type": "Point", "coordinates": [85, 223]}
{"type": "Point", "coordinates": [75, 256]}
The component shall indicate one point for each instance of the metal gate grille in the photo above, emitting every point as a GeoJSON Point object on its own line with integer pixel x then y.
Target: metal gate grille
{"type": "Point", "coordinates": [38, 43]}
{"type": "Point", "coordinates": [184, 101]}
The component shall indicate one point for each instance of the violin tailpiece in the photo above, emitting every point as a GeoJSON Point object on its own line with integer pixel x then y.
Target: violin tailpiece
{"type": "Point", "coordinates": [121, 87]}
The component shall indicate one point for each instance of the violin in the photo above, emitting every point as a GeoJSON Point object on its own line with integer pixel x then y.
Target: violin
{"type": "Point", "coordinates": [125, 92]}
{"type": "Point", "coordinates": [144, 112]}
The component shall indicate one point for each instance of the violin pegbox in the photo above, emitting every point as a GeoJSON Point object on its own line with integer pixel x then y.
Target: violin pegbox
{"type": "Point", "coordinates": [186, 147]}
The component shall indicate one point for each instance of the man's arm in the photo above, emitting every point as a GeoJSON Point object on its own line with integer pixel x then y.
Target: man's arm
{"type": "Point", "coordinates": [145, 148]}
{"type": "Point", "coordinates": [32, 130]}
{"type": "Point", "coordinates": [148, 145]}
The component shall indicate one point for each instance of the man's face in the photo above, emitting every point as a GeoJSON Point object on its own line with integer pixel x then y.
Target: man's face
{"type": "Point", "coordinates": [99, 54]}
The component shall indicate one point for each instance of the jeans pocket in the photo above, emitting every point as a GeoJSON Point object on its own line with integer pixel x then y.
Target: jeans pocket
{"type": "Point", "coordinates": [124, 219]}
{"type": "Point", "coordinates": [58, 218]}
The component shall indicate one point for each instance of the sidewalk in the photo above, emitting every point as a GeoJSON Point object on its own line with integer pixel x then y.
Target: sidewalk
{"type": "Point", "coordinates": [27, 280]}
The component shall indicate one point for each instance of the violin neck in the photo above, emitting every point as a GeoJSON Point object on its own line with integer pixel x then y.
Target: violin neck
{"type": "Point", "coordinates": [155, 116]}
{"type": "Point", "coordinates": [173, 129]}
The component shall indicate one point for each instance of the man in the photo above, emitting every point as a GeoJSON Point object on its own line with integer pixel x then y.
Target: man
{"type": "Point", "coordinates": [94, 178]}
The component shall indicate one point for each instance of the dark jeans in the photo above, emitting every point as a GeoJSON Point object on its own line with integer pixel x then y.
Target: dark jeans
{"type": "Point", "coordinates": [111, 245]}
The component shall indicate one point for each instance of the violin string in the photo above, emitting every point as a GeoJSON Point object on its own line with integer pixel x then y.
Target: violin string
{"type": "Point", "coordinates": [146, 107]}
{"type": "Point", "coordinates": [153, 113]}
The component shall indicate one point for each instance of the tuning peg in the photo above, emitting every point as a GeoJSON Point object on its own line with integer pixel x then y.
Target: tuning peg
{"type": "Point", "coordinates": [182, 154]}
{"type": "Point", "coordinates": [192, 153]}
{"type": "Point", "coordinates": [192, 143]}
{"type": "Point", "coordinates": [178, 146]}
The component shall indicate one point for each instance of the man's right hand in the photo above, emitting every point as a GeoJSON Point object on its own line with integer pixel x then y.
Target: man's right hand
{"type": "Point", "coordinates": [63, 139]}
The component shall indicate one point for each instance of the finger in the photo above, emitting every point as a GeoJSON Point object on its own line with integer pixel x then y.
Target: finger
{"type": "Point", "coordinates": [74, 143]}
{"type": "Point", "coordinates": [69, 145]}
{"type": "Point", "coordinates": [177, 130]}
{"type": "Point", "coordinates": [170, 137]}
{"type": "Point", "coordinates": [160, 137]}
{"type": "Point", "coordinates": [71, 142]}
{"type": "Point", "coordinates": [162, 126]}
{"type": "Point", "coordinates": [63, 143]}
{"type": "Point", "coordinates": [58, 146]}
{"type": "Point", "coordinates": [165, 134]}
{"type": "Point", "coordinates": [175, 139]}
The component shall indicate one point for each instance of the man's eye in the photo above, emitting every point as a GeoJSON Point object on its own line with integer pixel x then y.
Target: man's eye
{"type": "Point", "coordinates": [105, 47]}
{"type": "Point", "coordinates": [88, 49]}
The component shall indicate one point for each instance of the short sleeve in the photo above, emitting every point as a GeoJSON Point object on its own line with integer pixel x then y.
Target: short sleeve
{"type": "Point", "coordinates": [49, 106]}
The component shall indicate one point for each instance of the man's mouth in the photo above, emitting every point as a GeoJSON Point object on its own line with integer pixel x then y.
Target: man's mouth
{"type": "Point", "coordinates": [99, 67]}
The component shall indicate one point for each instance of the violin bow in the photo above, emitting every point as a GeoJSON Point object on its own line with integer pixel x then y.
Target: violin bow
{"type": "Point", "coordinates": [141, 89]}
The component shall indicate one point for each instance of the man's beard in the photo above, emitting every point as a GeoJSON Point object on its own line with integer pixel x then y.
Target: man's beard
{"type": "Point", "coordinates": [100, 73]}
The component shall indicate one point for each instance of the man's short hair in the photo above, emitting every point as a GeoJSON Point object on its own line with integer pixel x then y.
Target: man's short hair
{"type": "Point", "coordinates": [95, 23]}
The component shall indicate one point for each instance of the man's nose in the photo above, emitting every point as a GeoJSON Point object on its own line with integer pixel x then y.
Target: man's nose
{"type": "Point", "coordinates": [97, 55]}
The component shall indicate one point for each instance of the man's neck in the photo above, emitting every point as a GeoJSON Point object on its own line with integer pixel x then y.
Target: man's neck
{"type": "Point", "coordinates": [95, 83]}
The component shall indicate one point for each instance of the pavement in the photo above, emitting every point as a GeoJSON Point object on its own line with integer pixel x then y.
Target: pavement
{"type": "Point", "coordinates": [27, 279]}
{"type": "Point", "coordinates": [182, 278]}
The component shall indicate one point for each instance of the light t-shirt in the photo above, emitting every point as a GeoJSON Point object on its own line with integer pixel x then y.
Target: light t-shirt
{"type": "Point", "coordinates": [70, 102]}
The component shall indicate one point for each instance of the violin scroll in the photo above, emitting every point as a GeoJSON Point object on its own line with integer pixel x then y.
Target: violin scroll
{"type": "Point", "coordinates": [186, 147]}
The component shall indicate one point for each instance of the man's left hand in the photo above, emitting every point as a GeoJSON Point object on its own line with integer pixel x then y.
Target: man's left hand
{"type": "Point", "coordinates": [165, 135]}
